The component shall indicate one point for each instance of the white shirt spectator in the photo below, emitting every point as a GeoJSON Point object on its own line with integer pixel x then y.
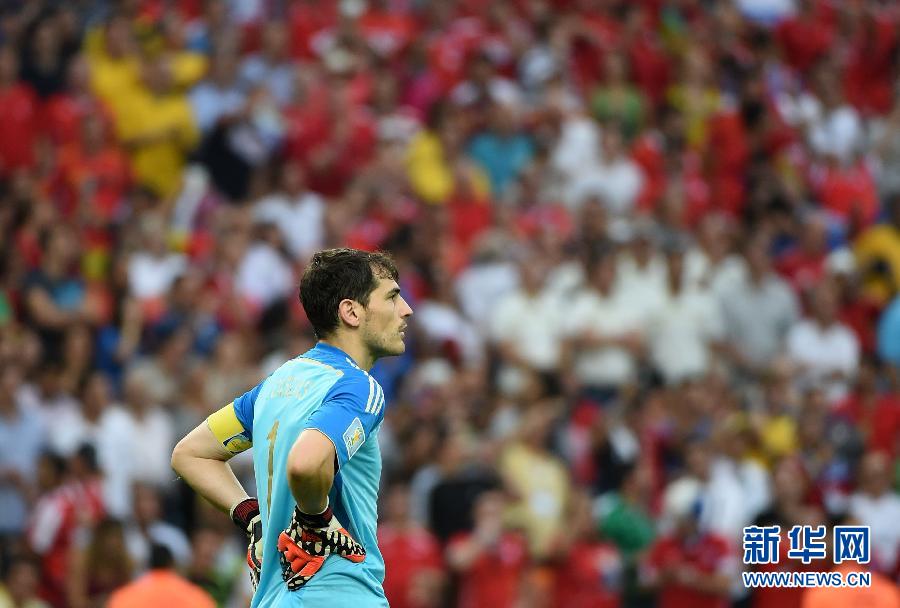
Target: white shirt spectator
{"type": "Point", "coordinates": [837, 132]}
{"type": "Point", "coordinates": [643, 286]}
{"type": "Point", "coordinates": [719, 278]}
{"type": "Point", "coordinates": [575, 154]}
{"type": "Point", "coordinates": [882, 513]}
{"type": "Point", "coordinates": [23, 436]}
{"type": "Point", "coordinates": [617, 182]}
{"type": "Point", "coordinates": [442, 322]}
{"type": "Point", "coordinates": [758, 317]}
{"type": "Point", "coordinates": [278, 79]}
{"type": "Point", "coordinates": [531, 324]}
{"type": "Point", "coordinates": [479, 286]}
{"type": "Point", "coordinates": [159, 533]}
{"type": "Point", "coordinates": [151, 438]}
{"type": "Point", "coordinates": [263, 276]}
{"type": "Point", "coordinates": [822, 352]}
{"type": "Point", "coordinates": [210, 102]}
{"type": "Point", "coordinates": [608, 317]}
{"type": "Point", "coordinates": [301, 220]}
{"type": "Point", "coordinates": [680, 332]}
{"type": "Point", "coordinates": [151, 276]}
{"type": "Point", "coordinates": [111, 438]}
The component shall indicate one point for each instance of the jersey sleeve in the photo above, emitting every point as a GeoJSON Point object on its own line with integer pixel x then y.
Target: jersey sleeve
{"type": "Point", "coordinates": [349, 414]}
{"type": "Point", "coordinates": [232, 425]}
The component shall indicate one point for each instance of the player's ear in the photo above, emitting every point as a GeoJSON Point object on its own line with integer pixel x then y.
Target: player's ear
{"type": "Point", "coordinates": [349, 312]}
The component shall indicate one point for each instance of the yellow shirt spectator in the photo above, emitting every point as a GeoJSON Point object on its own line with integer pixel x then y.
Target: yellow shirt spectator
{"type": "Point", "coordinates": [541, 482]}
{"type": "Point", "coordinates": [157, 127]}
{"type": "Point", "coordinates": [877, 253]}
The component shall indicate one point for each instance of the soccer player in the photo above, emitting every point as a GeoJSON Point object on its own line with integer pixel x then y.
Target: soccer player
{"type": "Point", "coordinates": [314, 423]}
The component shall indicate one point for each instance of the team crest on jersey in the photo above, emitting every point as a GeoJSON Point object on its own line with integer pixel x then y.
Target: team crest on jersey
{"type": "Point", "coordinates": [354, 437]}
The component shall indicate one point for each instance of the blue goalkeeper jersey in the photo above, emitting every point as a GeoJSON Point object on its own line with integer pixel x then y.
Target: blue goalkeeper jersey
{"type": "Point", "coordinates": [322, 389]}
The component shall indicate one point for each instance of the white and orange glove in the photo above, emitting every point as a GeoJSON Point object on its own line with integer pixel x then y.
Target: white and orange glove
{"type": "Point", "coordinates": [308, 541]}
{"type": "Point", "coordinates": [245, 516]}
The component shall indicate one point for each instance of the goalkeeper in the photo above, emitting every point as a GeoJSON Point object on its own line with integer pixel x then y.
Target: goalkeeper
{"type": "Point", "coordinates": [314, 423]}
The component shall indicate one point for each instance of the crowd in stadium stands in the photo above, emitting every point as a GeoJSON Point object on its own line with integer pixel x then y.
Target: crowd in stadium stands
{"type": "Point", "coordinates": [653, 249]}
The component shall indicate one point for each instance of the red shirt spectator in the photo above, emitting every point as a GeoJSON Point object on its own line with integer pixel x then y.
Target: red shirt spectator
{"type": "Point", "coordinates": [494, 577]}
{"type": "Point", "coordinates": [848, 192]}
{"type": "Point", "coordinates": [56, 520]}
{"type": "Point", "coordinates": [681, 563]}
{"type": "Point", "coordinates": [19, 108]}
{"type": "Point", "coordinates": [870, 75]}
{"type": "Point", "coordinates": [876, 415]}
{"type": "Point", "coordinates": [590, 577]}
{"type": "Point", "coordinates": [412, 553]}
{"type": "Point", "coordinates": [781, 597]}
{"type": "Point", "coordinates": [807, 36]}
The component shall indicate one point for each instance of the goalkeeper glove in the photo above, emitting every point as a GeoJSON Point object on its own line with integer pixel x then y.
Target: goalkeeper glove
{"type": "Point", "coordinates": [245, 516]}
{"type": "Point", "coordinates": [310, 539]}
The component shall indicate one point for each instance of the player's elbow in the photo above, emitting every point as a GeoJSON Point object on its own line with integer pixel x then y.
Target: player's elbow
{"type": "Point", "coordinates": [311, 460]}
{"type": "Point", "coordinates": [304, 468]}
{"type": "Point", "coordinates": [181, 454]}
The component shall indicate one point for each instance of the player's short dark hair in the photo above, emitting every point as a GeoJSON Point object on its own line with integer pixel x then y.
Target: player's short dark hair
{"type": "Point", "coordinates": [334, 275]}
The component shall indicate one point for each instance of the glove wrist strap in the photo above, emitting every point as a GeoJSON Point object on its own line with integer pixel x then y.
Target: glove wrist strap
{"type": "Point", "coordinates": [244, 511]}
{"type": "Point", "coordinates": [316, 520]}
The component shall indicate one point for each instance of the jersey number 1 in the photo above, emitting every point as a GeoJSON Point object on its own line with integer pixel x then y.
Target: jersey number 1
{"type": "Point", "coordinates": [271, 437]}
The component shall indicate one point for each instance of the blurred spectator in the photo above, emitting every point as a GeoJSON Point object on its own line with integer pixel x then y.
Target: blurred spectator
{"type": "Point", "coordinates": [616, 179]}
{"type": "Point", "coordinates": [264, 277]}
{"type": "Point", "coordinates": [689, 567]}
{"type": "Point", "coordinates": [149, 433]}
{"type": "Point", "coordinates": [105, 426]}
{"type": "Point", "coordinates": [147, 528]}
{"type": "Point", "coordinates": [491, 559]}
{"type": "Point", "coordinates": [218, 99]}
{"type": "Point", "coordinates": [591, 572]}
{"type": "Point", "coordinates": [153, 267]}
{"type": "Point", "coordinates": [70, 504]}
{"type": "Point", "coordinates": [415, 578]}
{"type": "Point", "coordinates": [889, 333]}
{"type": "Point", "coordinates": [157, 126]}
{"type": "Point", "coordinates": [604, 332]}
{"type": "Point", "coordinates": [520, 340]}
{"type": "Point", "coordinates": [538, 481]}
{"type": "Point", "coordinates": [18, 104]}
{"type": "Point", "coordinates": [502, 150]}
{"type": "Point", "coordinates": [270, 67]}
{"type": "Point", "coordinates": [217, 563]}
{"type": "Point", "coordinates": [23, 433]}
{"type": "Point", "coordinates": [297, 212]}
{"type": "Point", "coordinates": [875, 505]}
{"type": "Point", "coordinates": [99, 568]}
{"type": "Point", "coordinates": [55, 298]}
{"type": "Point", "coordinates": [825, 350]}
{"type": "Point", "coordinates": [686, 327]}
{"type": "Point", "coordinates": [877, 252]}
{"type": "Point", "coordinates": [451, 487]}
{"type": "Point", "coordinates": [20, 584]}
{"type": "Point", "coordinates": [758, 310]}
{"type": "Point", "coordinates": [617, 100]}
{"type": "Point", "coordinates": [160, 586]}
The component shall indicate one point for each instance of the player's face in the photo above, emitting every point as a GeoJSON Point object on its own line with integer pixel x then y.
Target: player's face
{"type": "Point", "coordinates": [385, 322]}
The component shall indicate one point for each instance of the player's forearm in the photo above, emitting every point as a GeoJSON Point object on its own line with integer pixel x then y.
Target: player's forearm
{"type": "Point", "coordinates": [202, 462]}
{"type": "Point", "coordinates": [310, 471]}
{"type": "Point", "coordinates": [212, 479]}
